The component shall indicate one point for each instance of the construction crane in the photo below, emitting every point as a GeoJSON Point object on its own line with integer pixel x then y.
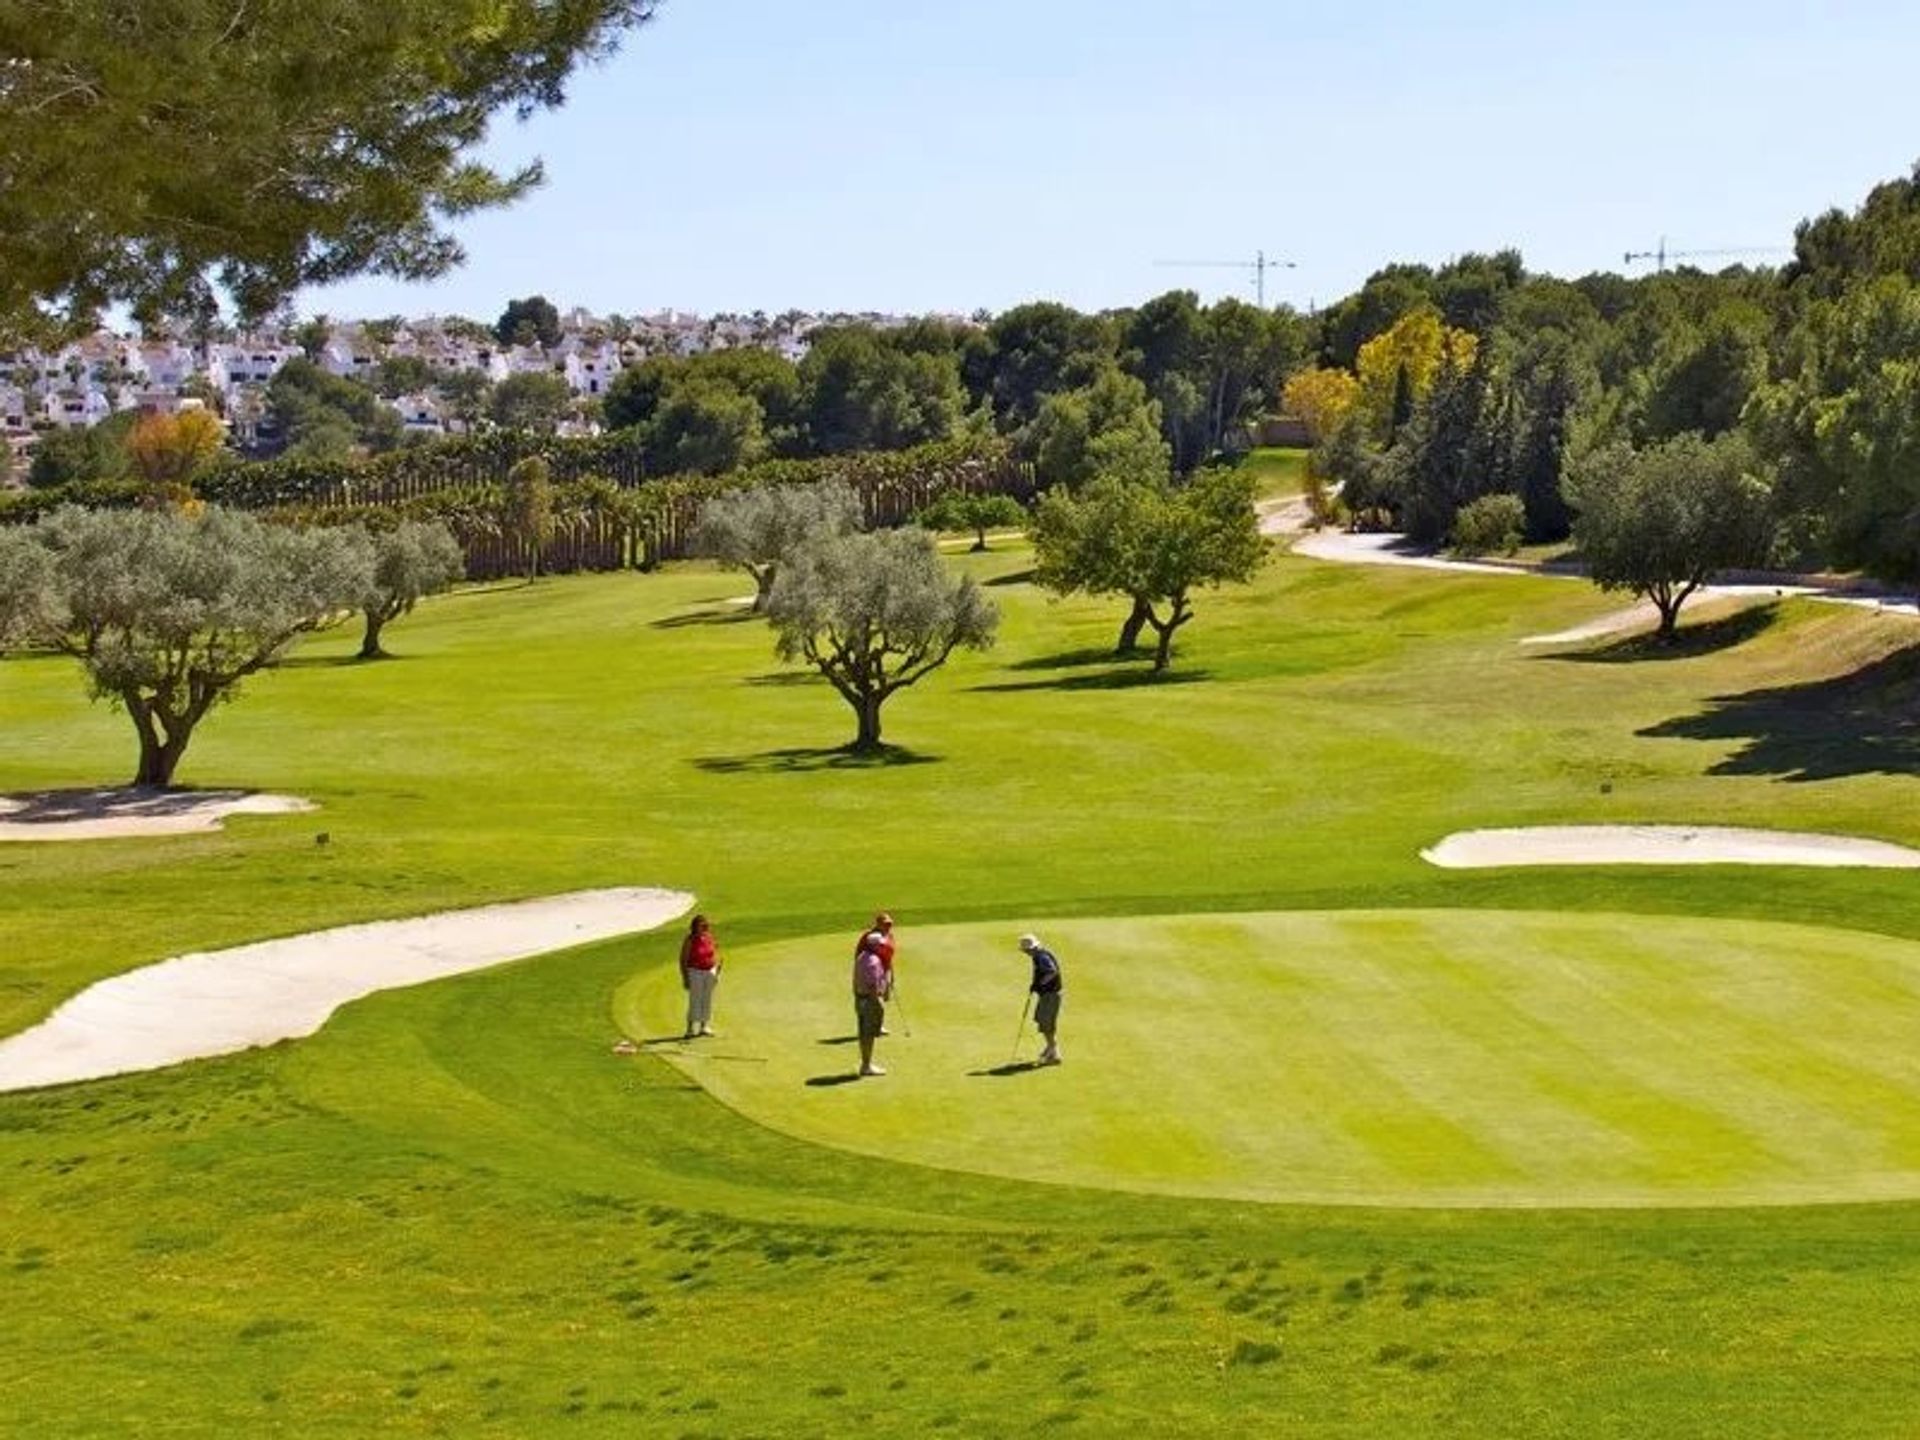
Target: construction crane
{"type": "Point", "coordinates": [1259, 265]}
{"type": "Point", "coordinates": [1660, 254]}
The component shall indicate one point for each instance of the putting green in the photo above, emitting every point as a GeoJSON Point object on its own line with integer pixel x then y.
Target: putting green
{"type": "Point", "coordinates": [1430, 1058]}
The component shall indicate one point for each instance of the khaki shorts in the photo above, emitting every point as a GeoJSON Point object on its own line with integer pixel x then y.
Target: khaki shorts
{"type": "Point", "coordinates": [869, 1014]}
{"type": "Point", "coordinates": [1046, 1012]}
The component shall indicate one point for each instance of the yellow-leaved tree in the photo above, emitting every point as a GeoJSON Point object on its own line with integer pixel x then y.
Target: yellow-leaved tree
{"type": "Point", "coordinates": [1397, 367]}
{"type": "Point", "coordinates": [1320, 399]}
{"type": "Point", "coordinates": [169, 450]}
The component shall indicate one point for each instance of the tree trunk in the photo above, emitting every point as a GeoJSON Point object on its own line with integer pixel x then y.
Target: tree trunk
{"type": "Point", "coordinates": [1163, 653]}
{"type": "Point", "coordinates": [370, 642]}
{"type": "Point", "coordinates": [868, 709]}
{"type": "Point", "coordinates": [1130, 631]}
{"type": "Point", "coordinates": [159, 757]}
{"type": "Point", "coordinates": [980, 540]}
{"type": "Point", "coordinates": [762, 588]}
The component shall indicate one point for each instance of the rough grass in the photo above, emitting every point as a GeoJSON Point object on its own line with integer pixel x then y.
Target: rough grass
{"type": "Point", "coordinates": [453, 1212]}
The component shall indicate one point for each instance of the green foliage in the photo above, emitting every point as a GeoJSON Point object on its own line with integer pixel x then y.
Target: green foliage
{"type": "Point", "coordinates": [758, 528]}
{"type": "Point", "coordinates": [259, 149]}
{"type": "Point", "coordinates": [863, 391]}
{"type": "Point", "coordinates": [1210, 370]}
{"type": "Point", "coordinates": [1845, 424]}
{"type": "Point", "coordinates": [769, 379]}
{"type": "Point", "coordinates": [1038, 350]}
{"type": "Point", "coordinates": [1835, 251]}
{"type": "Point", "coordinates": [527, 516]}
{"type": "Point", "coordinates": [531, 321]}
{"type": "Point", "coordinates": [875, 612]}
{"type": "Point", "coordinates": [704, 428]}
{"type": "Point", "coordinates": [399, 375]}
{"type": "Point", "coordinates": [1106, 425]}
{"type": "Point", "coordinates": [324, 417]}
{"type": "Point", "coordinates": [168, 613]}
{"type": "Point", "coordinates": [532, 401]}
{"type": "Point", "coordinates": [1659, 522]}
{"type": "Point", "coordinates": [979, 512]}
{"type": "Point", "coordinates": [80, 456]}
{"type": "Point", "coordinates": [1151, 543]}
{"type": "Point", "coordinates": [1491, 525]}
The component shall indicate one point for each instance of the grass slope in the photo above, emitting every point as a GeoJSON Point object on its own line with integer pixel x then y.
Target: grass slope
{"type": "Point", "coordinates": [453, 1213]}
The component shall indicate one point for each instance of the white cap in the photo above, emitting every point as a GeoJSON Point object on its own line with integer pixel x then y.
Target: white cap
{"type": "Point", "coordinates": [1029, 943]}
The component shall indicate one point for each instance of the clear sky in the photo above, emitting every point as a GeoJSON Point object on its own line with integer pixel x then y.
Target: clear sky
{"type": "Point", "coordinates": [905, 155]}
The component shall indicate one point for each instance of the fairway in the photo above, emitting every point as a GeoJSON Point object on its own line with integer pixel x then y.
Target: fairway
{"type": "Point", "coordinates": [1433, 1058]}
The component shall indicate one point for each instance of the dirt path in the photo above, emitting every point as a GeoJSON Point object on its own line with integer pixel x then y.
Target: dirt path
{"type": "Point", "coordinates": [1347, 547]}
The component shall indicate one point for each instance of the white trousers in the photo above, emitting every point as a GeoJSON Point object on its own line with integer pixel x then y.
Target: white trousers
{"type": "Point", "coordinates": [700, 985]}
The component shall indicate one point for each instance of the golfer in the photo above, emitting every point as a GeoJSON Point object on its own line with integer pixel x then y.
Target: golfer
{"type": "Point", "coordinates": [878, 938]}
{"type": "Point", "coordinates": [699, 974]}
{"type": "Point", "coordinates": [1046, 987]}
{"type": "Point", "coordinates": [871, 985]}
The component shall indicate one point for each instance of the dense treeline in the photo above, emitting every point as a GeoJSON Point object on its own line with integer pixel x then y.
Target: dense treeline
{"type": "Point", "coordinates": [1427, 390]}
{"type": "Point", "coordinates": [1044, 376]}
{"type": "Point", "coordinates": [1432, 388]}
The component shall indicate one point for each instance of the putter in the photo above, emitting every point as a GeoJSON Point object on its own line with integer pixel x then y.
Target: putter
{"type": "Point", "coordinates": [1025, 1006]}
{"type": "Point", "coordinates": [906, 1025]}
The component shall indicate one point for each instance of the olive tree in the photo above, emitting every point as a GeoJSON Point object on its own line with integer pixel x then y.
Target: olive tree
{"type": "Point", "coordinates": [757, 528]}
{"type": "Point", "coordinates": [1153, 543]}
{"type": "Point", "coordinates": [1660, 521]}
{"type": "Point", "coordinates": [168, 612]}
{"type": "Point", "coordinates": [874, 613]}
{"type": "Point", "coordinates": [966, 510]}
{"type": "Point", "coordinates": [414, 560]}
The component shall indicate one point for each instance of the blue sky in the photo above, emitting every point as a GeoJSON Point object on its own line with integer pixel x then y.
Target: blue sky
{"type": "Point", "coordinates": [909, 156]}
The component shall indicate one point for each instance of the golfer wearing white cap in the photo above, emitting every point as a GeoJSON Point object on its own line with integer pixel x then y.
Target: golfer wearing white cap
{"type": "Point", "coordinates": [1046, 988]}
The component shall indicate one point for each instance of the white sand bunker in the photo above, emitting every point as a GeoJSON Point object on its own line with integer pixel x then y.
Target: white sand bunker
{"type": "Point", "coordinates": [119, 814]}
{"type": "Point", "coordinates": [216, 1003]}
{"type": "Point", "coordinates": [1661, 845]}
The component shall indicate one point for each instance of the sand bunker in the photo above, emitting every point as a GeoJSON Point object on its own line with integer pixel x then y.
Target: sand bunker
{"type": "Point", "coordinates": [1661, 845]}
{"type": "Point", "coordinates": [226, 1000]}
{"type": "Point", "coordinates": [122, 813]}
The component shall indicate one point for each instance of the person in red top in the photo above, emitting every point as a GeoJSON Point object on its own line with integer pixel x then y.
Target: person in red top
{"type": "Point", "coordinates": [699, 974]}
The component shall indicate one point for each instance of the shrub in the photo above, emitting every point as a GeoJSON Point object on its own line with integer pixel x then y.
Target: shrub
{"type": "Point", "coordinates": [1491, 525]}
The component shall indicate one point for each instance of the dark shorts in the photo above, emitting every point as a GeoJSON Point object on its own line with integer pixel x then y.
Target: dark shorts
{"type": "Point", "coordinates": [1046, 1012]}
{"type": "Point", "coordinates": [869, 1014]}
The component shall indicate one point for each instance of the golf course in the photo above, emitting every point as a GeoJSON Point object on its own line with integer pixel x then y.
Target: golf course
{"type": "Point", "coordinates": [1344, 1143]}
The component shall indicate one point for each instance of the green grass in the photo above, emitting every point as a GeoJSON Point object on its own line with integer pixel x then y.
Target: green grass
{"type": "Point", "coordinates": [1397, 1057]}
{"type": "Point", "coordinates": [453, 1212]}
{"type": "Point", "coordinates": [1279, 472]}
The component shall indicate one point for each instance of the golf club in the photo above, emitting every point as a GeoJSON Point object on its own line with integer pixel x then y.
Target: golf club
{"type": "Point", "coordinates": [1025, 1006]}
{"type": "Point", "coordinates": [906, 1025]}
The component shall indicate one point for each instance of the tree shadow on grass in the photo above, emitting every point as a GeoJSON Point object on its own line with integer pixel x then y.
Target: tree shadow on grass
{"type": "Point", "coordinates": [1070, 659]}
{"type": "Point", "coordinates": [1127, 677]}
{"type": "Point", "coordinates": [809, 762]}
{"type": "Point", "coordinates": [1692, 641]}
{"type": "Point", "coordinates": [728, 615]}
{"type": "Point", "coordinates": [787, 677]}
{"type": "Point", "coordinates": [1864, 723]}
{"type": "Point", "coordinates": [1019, 577]}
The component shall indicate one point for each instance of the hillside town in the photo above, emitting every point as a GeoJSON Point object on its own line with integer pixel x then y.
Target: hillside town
{"type": "Point", "coordinates": [445, 364]}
